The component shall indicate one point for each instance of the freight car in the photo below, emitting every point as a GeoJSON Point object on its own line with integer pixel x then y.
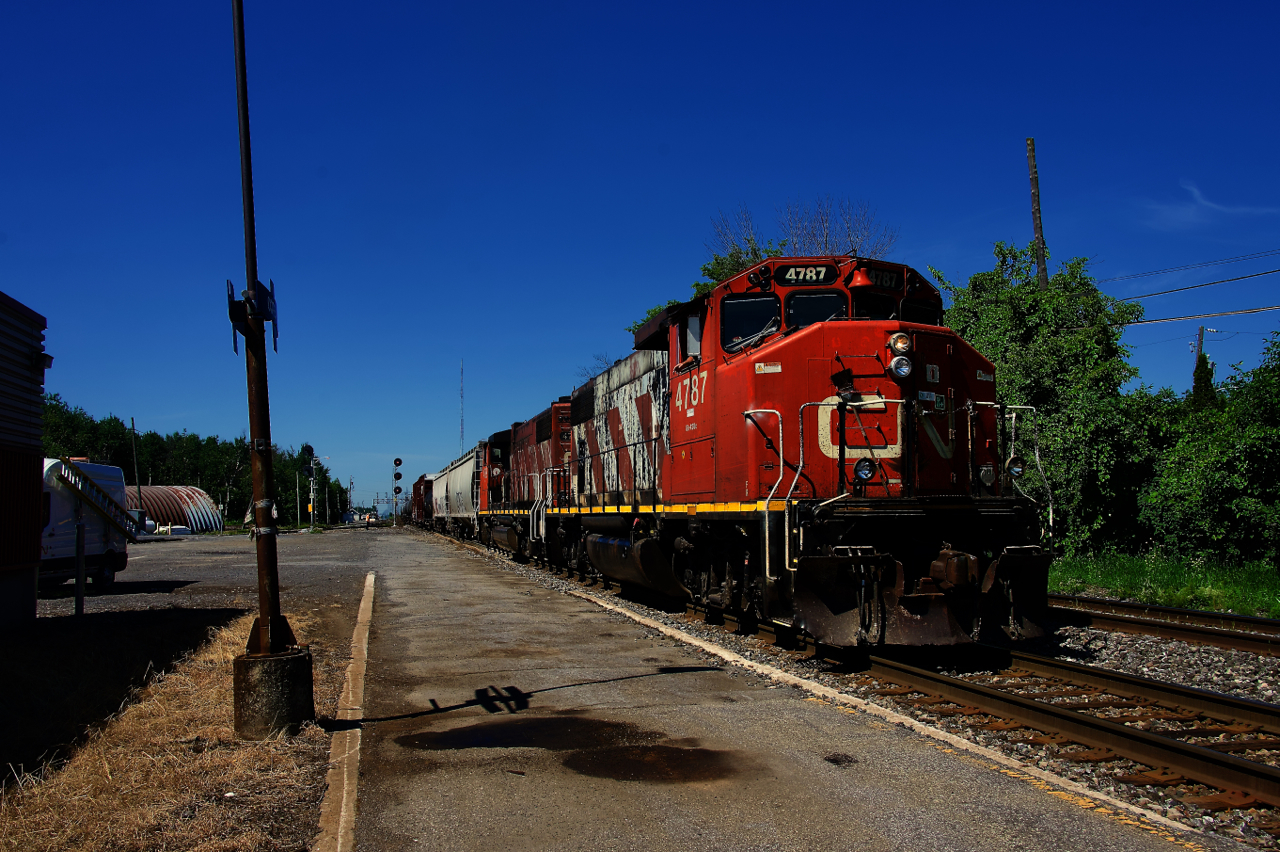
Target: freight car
{"type": "Point", "coordinates": [805, 445]}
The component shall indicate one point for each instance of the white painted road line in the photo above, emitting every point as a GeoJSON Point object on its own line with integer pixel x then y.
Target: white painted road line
{"type": "Point", "coordinates": [338, 810]}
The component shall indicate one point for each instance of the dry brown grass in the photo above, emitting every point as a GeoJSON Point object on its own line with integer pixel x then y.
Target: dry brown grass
{"type": "Point", "coordinates": [168, 772]}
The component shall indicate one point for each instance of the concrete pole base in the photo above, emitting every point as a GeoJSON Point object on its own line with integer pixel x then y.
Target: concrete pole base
{"type": "Point", "coordinates": [273, 694]}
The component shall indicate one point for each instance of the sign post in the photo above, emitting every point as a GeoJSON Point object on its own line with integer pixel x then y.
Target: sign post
{"type": "Point", "coordinates": [273, 678]}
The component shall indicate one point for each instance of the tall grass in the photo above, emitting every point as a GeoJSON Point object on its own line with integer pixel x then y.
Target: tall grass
{"type": "Point", "coordinates": [1193, 582]}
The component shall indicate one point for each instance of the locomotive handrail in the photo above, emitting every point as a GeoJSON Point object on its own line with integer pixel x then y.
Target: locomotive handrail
{"type": "Point", "coordinates": [782, 471]}
{"type": "Point", "coordinates": [786, 509]}
{"type": "Point", "coordinates": [1013, 438]}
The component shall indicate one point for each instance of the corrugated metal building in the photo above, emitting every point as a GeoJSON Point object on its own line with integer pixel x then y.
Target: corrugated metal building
{"type": "Point", "coordinates": [22, 365]}
{"type": "Point", "coordinates": [181, 505]}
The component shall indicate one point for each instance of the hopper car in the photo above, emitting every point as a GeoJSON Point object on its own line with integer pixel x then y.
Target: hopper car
{"type": "Point", "coordinates": [806, 445]}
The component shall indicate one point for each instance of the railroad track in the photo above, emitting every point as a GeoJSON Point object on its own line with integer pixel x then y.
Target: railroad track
{"type": "Point", "coordinates": [1179, 736]}
{"type": "Point", "coordinates": [1223, 630]}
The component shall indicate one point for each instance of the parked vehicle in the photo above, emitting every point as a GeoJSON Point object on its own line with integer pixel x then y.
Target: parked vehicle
{"type": "Point", "coordinates": [105, 547]}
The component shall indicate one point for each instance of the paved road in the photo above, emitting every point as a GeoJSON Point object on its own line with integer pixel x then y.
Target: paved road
{"type": "Point", "coordinates": [73, 672]}
{"type": "Point", "coordinates": [501, 715]}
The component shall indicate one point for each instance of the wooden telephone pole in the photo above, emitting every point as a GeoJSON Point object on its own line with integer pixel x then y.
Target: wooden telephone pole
{"type": "Point", "coordinates": [1042, 271]}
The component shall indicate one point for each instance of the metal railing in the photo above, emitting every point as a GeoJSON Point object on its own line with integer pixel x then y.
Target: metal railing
{"type": "Point", "coordinates": [782, 471]}
{"type": "Point", "coordinates": [786, 509]}
{"type": "Point", "coordinates": [613, 454]}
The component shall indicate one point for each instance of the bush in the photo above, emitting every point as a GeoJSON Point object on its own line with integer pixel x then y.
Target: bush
{"type": "Point", "coordinates": [1216, 492]}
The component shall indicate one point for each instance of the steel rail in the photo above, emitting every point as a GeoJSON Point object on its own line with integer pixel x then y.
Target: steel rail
{"type": "Point", "coordinates": [1205, 765]}
{"type": "Point", "coordinates": [1201, 617]}
{"type": "Point", "coordinates": [1227, 708]}
{"type": "Point", "coordinates": [1259, 635]}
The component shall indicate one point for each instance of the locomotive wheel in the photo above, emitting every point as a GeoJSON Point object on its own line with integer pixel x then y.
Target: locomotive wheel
{"type": "Point", "coordinates": [577, 561]}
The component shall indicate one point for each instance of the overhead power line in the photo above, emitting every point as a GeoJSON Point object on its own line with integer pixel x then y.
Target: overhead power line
{"type": "Point", "coordinates": [1254, 256]}
{"type": "Point", "coordinates": [1198, 286]}
{"type": "Point", "coordinates": [1202, 316]}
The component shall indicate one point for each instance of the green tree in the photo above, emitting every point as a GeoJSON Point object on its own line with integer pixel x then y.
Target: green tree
{"type": "Point", "coordinates": [1216, 491]}
{"type": "Point", "coordinates": [1059, 351]}
{"type": "Point", "coordinates": [220, 467]}
{"type": "Point", "coordinates": [1203, 394]}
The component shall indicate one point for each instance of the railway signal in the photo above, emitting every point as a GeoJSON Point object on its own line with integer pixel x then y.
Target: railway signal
{"type": "Point", "coordinates": [396, 476]}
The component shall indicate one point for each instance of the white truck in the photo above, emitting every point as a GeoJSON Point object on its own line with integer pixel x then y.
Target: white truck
{"type": "Point", "coordinates": [105, 547]}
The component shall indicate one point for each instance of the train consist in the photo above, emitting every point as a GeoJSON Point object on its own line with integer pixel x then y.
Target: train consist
{"type": "Point", "coordinates": [805, 445]}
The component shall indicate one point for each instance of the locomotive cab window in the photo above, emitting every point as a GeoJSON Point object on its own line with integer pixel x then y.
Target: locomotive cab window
{"type": "Point", "coordinates": [874, 306]}
{"type": "Point", "coordinates": [748, 318]}
{"type": "Point", "coordinates": [805, 309]}
{"type": "Point", "coordinates": [689, 340]}
{"type": "Point", "coordinates": [921, 312]}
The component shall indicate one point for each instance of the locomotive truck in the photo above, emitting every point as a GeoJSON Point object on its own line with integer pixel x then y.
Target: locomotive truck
{"type": "Point", "coordinates": [805, 445]}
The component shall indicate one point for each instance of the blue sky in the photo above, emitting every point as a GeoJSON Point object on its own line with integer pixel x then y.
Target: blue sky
{"type": "Point", "coordinates": [513, 184]}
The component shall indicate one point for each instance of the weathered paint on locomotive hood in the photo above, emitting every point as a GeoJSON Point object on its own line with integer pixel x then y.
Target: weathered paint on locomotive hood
{"type": "Point", "coordinates": [620, 433]}
{"type": "Point", "coordinates": [538, 446]}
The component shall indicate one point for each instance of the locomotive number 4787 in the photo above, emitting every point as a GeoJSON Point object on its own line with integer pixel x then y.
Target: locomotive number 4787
{"type": "Point", "coordinates": [690, 392]}
{"type": "Point", "coordinates": [806, 273]}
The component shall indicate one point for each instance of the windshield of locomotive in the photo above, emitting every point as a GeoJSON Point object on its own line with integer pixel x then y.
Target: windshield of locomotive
{"type": "Point", "coordinates": [747, 318]}
{"type": "Point", "coordinates": [874, 306]}
{"type": "Point", "coordinates": [807, 308]}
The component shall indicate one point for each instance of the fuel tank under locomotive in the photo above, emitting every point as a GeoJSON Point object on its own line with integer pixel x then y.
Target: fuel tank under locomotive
{"type": "Point", "coordinates": [621, 549]}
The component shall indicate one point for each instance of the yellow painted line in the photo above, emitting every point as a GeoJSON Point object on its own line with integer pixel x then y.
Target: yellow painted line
{"type": "Point", "coordinates": [338, 810]}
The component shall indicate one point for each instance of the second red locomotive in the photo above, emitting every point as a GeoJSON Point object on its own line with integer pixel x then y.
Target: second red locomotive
{"type": "Point", "coordinates": [805, 445]}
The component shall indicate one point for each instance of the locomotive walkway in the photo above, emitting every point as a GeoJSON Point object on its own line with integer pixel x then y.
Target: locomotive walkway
{"type": "Point", "coordinates": [502, 715]}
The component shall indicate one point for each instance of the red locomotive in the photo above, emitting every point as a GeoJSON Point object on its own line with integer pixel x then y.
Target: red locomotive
{"type": "Point", "coordinates": [805, 445]}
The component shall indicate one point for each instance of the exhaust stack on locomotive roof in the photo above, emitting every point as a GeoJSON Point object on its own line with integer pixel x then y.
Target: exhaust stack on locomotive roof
{"type": "Point", "coordinates": [806, 445]}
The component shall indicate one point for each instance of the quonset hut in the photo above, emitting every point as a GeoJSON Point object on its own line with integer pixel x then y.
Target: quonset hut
{"type": "Point", "coordinates": [179, 505]}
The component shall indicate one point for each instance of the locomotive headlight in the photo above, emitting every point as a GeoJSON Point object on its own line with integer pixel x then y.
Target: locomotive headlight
{"type": "Point", "coordinates": [900, 343]}
{"type": "Point", "coordinates": [901, 366]}
{"type": "Point", "coordinates": [1015, 466]}
{"type": "Point", "coordinates": [864, 469]}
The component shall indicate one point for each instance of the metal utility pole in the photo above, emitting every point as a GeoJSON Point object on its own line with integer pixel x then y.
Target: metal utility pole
{"type": "Point", "coordinates": [462, 408]}
{"type": "Point", "coordinates": [255, 350]}
{"type": "Point", "coordinates": [133, 439]}
{"type": "Point", "coordinates": [273, 680]}
{"type": "Point", "coordinates": [1042, 271]}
